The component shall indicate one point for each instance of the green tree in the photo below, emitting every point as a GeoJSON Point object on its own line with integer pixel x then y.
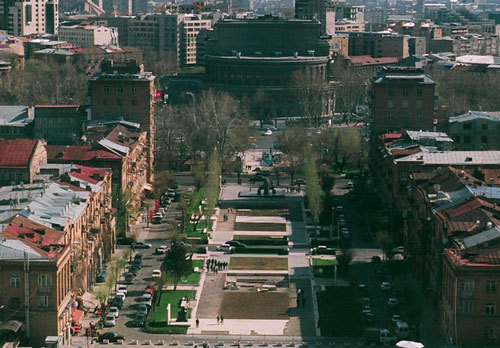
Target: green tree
{"type": "Point", "coordinates": [292, 143]}
{"type": "Point", "coordinates": [176, 262]}
{"type": "Point", "coordinates": [163, 181]}
{"type": "Point", "coordinates": [213, 184]}
{"type": "Point", "coordinates": [118, 203]}
{"type": "Point", "coordinates": [313, 188]}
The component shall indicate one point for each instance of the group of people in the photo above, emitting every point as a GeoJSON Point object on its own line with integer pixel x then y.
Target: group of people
{"type": "Point", "coordinates": [215, 266]}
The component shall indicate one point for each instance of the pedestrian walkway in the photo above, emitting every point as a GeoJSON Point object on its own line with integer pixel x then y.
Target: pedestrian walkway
{"type": "Point", "coordinates": [239, 327]}
{"type": "Point", "coordinates": [208, 307]}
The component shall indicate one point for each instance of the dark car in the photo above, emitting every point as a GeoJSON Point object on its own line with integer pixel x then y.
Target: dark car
{"type": "Point", "coordinates": [117, 302]}
{"type": "Point", "coordinates": [112, 337]}
{"type": "Point", "coordinates": [142, 245]}
{"type": "Point", "coordinates": [139, 319]}
{"type": "Point", "coordinates": [257, 177]}
{"type": "Point", "coordinates": [101, 277]}
{"type": "Point", "coordinates": [134, 270]}
{"type": "Point", "coordinates": [235, 243]}
{"type": "Point", "coordinates": [125, 241]}
{"type": "Point", "coordinates": [138, 257]}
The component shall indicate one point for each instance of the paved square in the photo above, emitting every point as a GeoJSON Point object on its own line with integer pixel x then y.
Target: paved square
{"type": "Point", "coordinates": [255, 305]}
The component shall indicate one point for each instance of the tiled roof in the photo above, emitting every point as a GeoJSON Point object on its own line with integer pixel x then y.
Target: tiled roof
{"type": "Point", "coordinates": [88, 174]}
{"type": "Point", "coordinates": [391, 136]}
{"type": "Point", "coordinates": [16, 153]}
{"type": "Point", "coordinates": [79, 153]}
{"type": "Point", "coordinates": [21, 227]}
{"type": "Point", "coordinates": [405, 152]}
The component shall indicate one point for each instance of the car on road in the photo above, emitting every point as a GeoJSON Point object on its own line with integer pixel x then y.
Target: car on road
{"type": "Point", "coordinates": [114, 311]}
{"type": "Point", "coordinates": [224, 247]}
{"type": "Point", "coordinates": [385, 286]}
{"type": "Point", "coordinates": [257, 177]}
{"type": "Point", "coordinates": [133, 270]}
{"type": "Point", "coordinates": [123, 294]}
{"type": "Point", "coordinates": [345, 233]}
{"type": "Point", "coordinates": [263, 172]}
{"type": "Point", "coordinates": [300, 182]}
{"type": "Point", "coordinates": [109, 321]}
{"type": "Point", "coordinates": [392, 302]}
{"type": "Point", "coordinates": [268, 132]}
{"type": "Point", "coordinates": [395, 318]}
{"type": "Point", "coordinates": [398, 250]}
{"type": "Point", "coordinates": [123, 288]}
{"type": "Point", "coordinates": [142, 309]}
{"type": "Point", "coordinates": [147, 300]}
{"type": "Point", "coordinates": [142, 245]}
{"type": "Point", "coordinates": [112, 337]}
{"type": "Point", "coordinates": [139, 320]}
{"type": "Point", "coordinates": [129, 277]}
{"type": "Point", "coordinates": [117, 302]}
{"type": "Point", "coordinates": [101, 277]}
{"type": "Point", "coordinates": [162, 249]}
{"type": "Point", "coordinates": [235, 243]}
{"type": "Point", "coordinates": [156, 273]}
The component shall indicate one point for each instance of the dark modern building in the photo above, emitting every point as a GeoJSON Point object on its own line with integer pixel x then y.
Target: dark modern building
{"type": "Point", "coordinates": [321, 10]}
{"type": "Point", "coordinates": [402, 98]}
{"type": "Point", "coordinates": [59, 124]}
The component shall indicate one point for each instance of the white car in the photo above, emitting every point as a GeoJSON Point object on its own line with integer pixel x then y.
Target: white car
{"type": "Point", "coordinates": [224, 247]}
{"type": "Point", "coordinates": [123, 288]}
{"type": "Point", "coordinates": [147, 300]}
{"type": "Point", "coordinates": [162, 249]}
{"type": "Point", "coordinates": [392, 302]}
{"type": "Point", "coordinates": [110, 321]}
{"type": "Point", "coordinates": [156, 273]}
{"type": "Point", "coordinates": [121, 295]}
{"type": "Point", "coordinates": [385, 286]}
{"type": "Point", "coordinates": [268, 132]}
{"type": "Point", "coordinates": [114, 312]}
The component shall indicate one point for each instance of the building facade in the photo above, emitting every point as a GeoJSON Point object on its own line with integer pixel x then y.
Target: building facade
{"type": "Point", "coordinates": [59, 124]}
{"type": "Point", "coordinates": [88, 35]}
{"type": "Point", "coordinates": [16, 121]}
{"type": "Point", "coordinates": [378, 45]}
{"type": "Point", "coordinates": [475, 130]}
{"type": "Point", "coordinates": [402, 98]}
{"type": "Point", "coordinates": [28, 17]}
{"type": "Point", "coordinates": [321, 10]}
{"type": "Point", "coordinates": [20, 160]}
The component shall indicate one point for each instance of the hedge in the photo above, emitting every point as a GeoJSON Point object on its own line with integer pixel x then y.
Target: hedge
{"type": "Point", "coordinates": [241, 250]}
{"type": "Point", "coordinates": [264, 241]}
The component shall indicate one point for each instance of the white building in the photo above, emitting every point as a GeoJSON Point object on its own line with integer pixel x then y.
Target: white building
{"type": "Point", "coordinates": [28, 17]}
{"type": "Point", "coordinates": [88, 35]}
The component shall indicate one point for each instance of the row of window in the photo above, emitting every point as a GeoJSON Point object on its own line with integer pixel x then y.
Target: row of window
{"type": "Point", "coordinates": [484, 126]}
{"type": "Point", "coordinates": [43, 280]}
{"type": "Point", "coordinates": [405, 91]}
{"type": "Point", "coordinates": [468, 287]}
{"type": "Point", "coordinates": [120, 89]}
{"type": "Point", "coordinates": [467, 307]}
{"type": "Point", "coordinates": [120, 114]}
{"type": "Point", "coordinates": [11, 176]}
{"type": "Point", "coordinates": [43, 302]}
{"type": "Point", "coordinates": [467, 139]}
{"type": "Point", "coordinates": [133, 102]}
{"type": "Point", "coordinates": [405, 104]}
{"type": "Point", "coordinates": [404, 117]}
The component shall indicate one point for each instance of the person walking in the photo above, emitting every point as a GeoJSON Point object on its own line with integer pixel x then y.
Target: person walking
{"type": "Point", "coordinates": [197, 322]}
{"type": "Point", "coordinates": [221, 319]}
{"type": "Point", "coordinates": [218, 320]}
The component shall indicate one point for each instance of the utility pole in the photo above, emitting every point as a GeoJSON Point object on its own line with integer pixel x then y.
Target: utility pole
{"type": "Point", "coordinates": [27, 292]}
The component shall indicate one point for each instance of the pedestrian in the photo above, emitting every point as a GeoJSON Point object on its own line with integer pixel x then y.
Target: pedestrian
{"type": "Point", "coordinates": [218, 319]}
{"type": "Point", "coordinates": [216, 271]}
{"type": "Point", "coordinates": [197, 322]}
{"type": "Point", "coordinates": [221, 319]}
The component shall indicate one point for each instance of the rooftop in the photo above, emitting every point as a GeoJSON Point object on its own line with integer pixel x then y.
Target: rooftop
{"type": "Point", "coordinates": [367, 60]}
{"type": "Point", "coordinates": [453, 158]}
{"type": "Point", "coordinates": [401, 74]}
{"type": "Point", "coordinates": [16, 153]}
{"type": "Point", "coordinates": [424, 135]}
{"type": "Point", "coordinates": [473, 115]}
{"type": "Point", "coordinates": [79, 153]}
{"type": "Point", "coordinates": [80, 176]}
{"type": "Point", "coordinates": [15, 115]}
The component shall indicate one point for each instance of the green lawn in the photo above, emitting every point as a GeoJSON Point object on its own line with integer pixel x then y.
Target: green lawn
{"type": "Point", "coordinates": [324, 262]}
{"type": "Point", "coordinates": [159, 313]}
{"type": "Point", "coordinates": [339, 312]}
{"type": "Point", "coordinates": [190, 279]}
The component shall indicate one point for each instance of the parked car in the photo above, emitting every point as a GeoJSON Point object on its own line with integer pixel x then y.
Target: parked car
{"type": "Point", "coordinates": [398, 250]}
{"type": "Point", "coordinates": [110, 321]}
{"type": "Point", "coordinates": [385, 286]}
{"type": "Point", "coordinates": [101, 277]}
{"type": "Point", "coordinates": [345, 233]}
{"type": "Point", "coordinates": [123, 288]}
{"type": "Point", "coordinates": [392, 302]}
{"type": "Point", "coordinates": [142, 245]}
{"type": "Point", "coordinates": [235, 243]}
{"type": "Point", "coordinates": [122, 294]}
{"type": "Point", "coordinates": [147, 300]}
{"type": "Point", "coordinates": [112, 337]}
{"type": "Point", "coordinates": [162, 249]}
{"type": "Point", "coordinates": [139, 320]}
{"type": "Point", "coordinates": [129, 277]}
{"type": "Point", "coordinates": [142, 309]}
{"type": "Point", "coordinates": [268, 132]}
{"type": "Point", "coordinates": [224, 247]}
{"type": "Point", "coordinates": [114, 311]}
{"type": "Point", "coordinates": [263, 172]}
{"type": "Point", "coordinates": [156, 273]}
{"type": "Point", "coordinates": [396, 318]}
{"type": "Point", "coordinates": [133, 270]}
{"type": "Point", "coordinates": [350, 185]}
{"type": "Point", "coordinates": [117, 302]}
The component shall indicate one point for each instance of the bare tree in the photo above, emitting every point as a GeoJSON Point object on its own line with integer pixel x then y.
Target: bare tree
{"type": "Point", "coordinates": [310, 90]}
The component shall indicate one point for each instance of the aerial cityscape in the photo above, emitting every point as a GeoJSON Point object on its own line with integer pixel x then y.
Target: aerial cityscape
{"type": "Point", "coordinates": [249, 173]}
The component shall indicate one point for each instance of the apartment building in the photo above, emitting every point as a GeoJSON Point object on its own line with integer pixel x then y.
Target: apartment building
{"type": "Point", "coordinates": [20, 160]}
{"type": "Point", "coordinates": [16, 121]}
{"type": "Point", "coordinates": [191, 27]}
{"type": "Point", "coordinates": [320, 10]}
{"type": "Point", "coordinates": [59, 124]}
{"type": "Point", "coordinates": [28, 17]}
{"type": "Point", "coordinates": [378, 45]}
{"type": "Point", "coordinates": [475, 130]}
{"type": "Point", "coordinates": [88, 35]}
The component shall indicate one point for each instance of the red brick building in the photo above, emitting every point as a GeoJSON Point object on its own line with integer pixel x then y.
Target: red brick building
{"type": "Point", "coordinates": [402, 98]}
{"type": "Point", "coordinates": [20, 160]}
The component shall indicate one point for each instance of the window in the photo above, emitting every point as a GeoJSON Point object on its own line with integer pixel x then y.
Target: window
{"type": "Point", "coordinates": [119, 89]}
{"type": "Point", "coordinates": [405, 91]}
{"type": "Point", "coordinates": [467, 139]}
{"type": "Point", "coordinates": [484, 126]}
{"type": "Point", "coordinates": [133, 102]}
{"type": "Point", "coordinates": [104, 102]}
{"type": "Point", "coordinates": [420, 117]}
{"type": "Point", "coordinates": [490, 309]}
{"type": "Point", "coordinates": [134, 90]}
{"type": "Point", "coordinates": [484, 139]}
{"type": "Point", "coordinates": [15, 281]}
{"type": "Point", "coordinates": [404, 117]}
{"type": "Point", "coordinates": [404, 104]}
{"type": "Point", "coordinates": [420, 104]}
{"type": "Point", "coordinates": [419, 92]}
{"type": "Point", "coordinates": [491, 286]}
{"type": "Point", "coordinates": [489, 331]}
{"type": "Point", "coordinates": [467, 286]}
{"type": "Point", "coordinates": [106, 89]}
{"type": "Point", "coordinates": [465, 307]}
{"type": "Point", "coordinates": [390, 91]}
{"type": "Point", "coordinates": [15, 303]}
{"type": "Point", "coordinates": [467, 126]}
{"type": "Point", "coordinates": [44, 301]}
{"type": "Point", "coordinates": [390, 104]}
{"type": "Point", "coordinates": [456, 139]}
{"type": "Point", "coordinates": [119, 102]}
{"type": "Point", "coordinates": [389, 117]}
{"type": "Point", "coordinates": [44, 280]}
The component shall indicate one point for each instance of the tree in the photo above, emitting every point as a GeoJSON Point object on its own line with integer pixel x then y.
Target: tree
{"type": "Point", "coordinates": [160, 63]}
{"type": "Point", "coordinates": [213, 184]}
{"type": "Point", "coordinates": [385, 241]}
{"type": "Point", "coordinates": [176, 263]}
{"type": "Point", "coordinates": [118, 203]}
{"type": "Point", "coordinates": [163, 181]}
{"type": "Point", "coordinates": [313, 188]}
{"type": "Point", "coordinates": [310, 90]}
{"type": "Point", "coordinates": [292, 143]}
